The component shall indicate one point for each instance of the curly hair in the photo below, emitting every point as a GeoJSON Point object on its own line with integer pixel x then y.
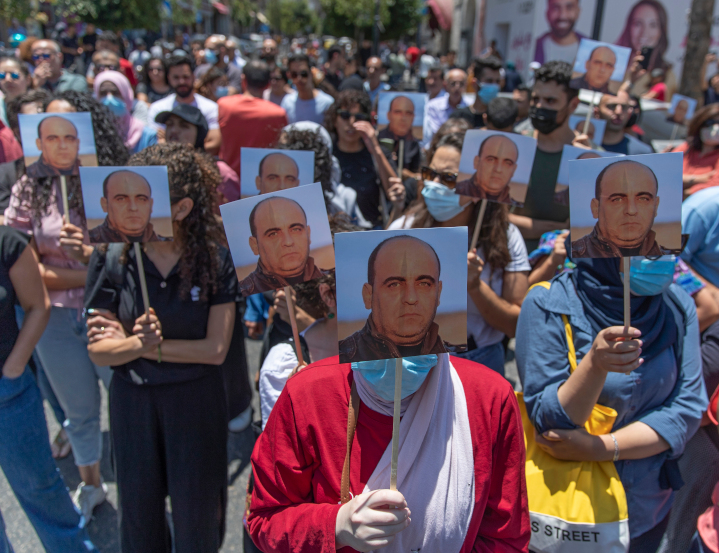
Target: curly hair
{"type": "Point", "coordinates": [294, 139]}
{"type": "Point", "coordinates": [14, 106]}
{"type": "Point", "coordinates": [109, 146]}
{"type": "Point", "coordinates": [559, 72]}
{"type": "Point", "coordinates": [192, 174]}
{"type": "Point", "coordinates": [492, 233]}
{"type": "Point", "coordinates": [346, 100]}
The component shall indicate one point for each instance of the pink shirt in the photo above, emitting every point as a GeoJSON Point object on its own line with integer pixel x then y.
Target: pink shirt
{"type": "Point", "coordinates": [46, 231]}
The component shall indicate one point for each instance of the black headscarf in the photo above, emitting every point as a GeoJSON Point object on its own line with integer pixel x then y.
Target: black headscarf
{"type": "Point", "coordinates": [601, 291]}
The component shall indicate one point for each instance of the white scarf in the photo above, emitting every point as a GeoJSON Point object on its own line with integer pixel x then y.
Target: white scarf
{"type": "Point", "coordinates": [435, 469]}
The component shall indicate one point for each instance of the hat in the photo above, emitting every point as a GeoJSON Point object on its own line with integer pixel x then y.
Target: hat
{"type": "Point", "coordinates": [190, 114]}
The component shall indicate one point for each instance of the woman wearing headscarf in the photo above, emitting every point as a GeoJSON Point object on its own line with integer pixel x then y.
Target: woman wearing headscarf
{"type": "Point", "coordinates": [650, 375]}
{"type": "Point", "coordinates": [461, 433]}
{"type": "Point", "coordinates": [112, 89]}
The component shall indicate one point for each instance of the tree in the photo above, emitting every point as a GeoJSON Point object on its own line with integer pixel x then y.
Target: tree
{"type": "Point", "coordinates": [19, 9]}
{"type": "Point", "coordinates": [698, 41]}
{"type": "Point", "coordinates": [243, 11]}
{"type": "Point", "coordinates": [351, 17]}
{"type": "Point", "coordinates": [113, 14]}
{"type": "Point", "coordinates": [291, 17]}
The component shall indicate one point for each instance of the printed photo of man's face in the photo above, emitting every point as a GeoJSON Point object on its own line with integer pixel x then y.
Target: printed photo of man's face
{"type": "Point", "coordinates": [600, 67]}
{"type": "Point", "coordinates": [58, 142]}
{"type": "Point", "coordinates": [127, 200]}
{"type": "Point", "coordinates": [280, 236]}
{"type": "Point", "coordinates": [626, 203]}
{"type": "Point", "coordinates": [277, 172]}
{"type": "Point", "coordinates": [400, 115]}
{"type": "Point", "coordinates": [403, 290]}
{"type": "Point", "coordinates": [495, 164]}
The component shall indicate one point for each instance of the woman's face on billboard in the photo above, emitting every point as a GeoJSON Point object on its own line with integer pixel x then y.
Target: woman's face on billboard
{"type": "Point", "coordinates": [645, 29]}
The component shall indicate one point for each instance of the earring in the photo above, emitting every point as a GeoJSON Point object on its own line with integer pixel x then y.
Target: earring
{"type": "Point", "coordinates": [330, 315]}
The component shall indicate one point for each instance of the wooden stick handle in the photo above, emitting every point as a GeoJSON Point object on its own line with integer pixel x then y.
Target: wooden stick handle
{"type": "Point", "coordinates": [627, 303]}
{"type": "Point", "coordinates": [143, 282]}
{"type": "Point", "coordinates": [675, 130]}
{"type": "Point", "coordinates": [395, 423]}
{"type": "Point", "coordinates": [293, 323]}
{"type": "Point", "coordinates": [400, 158]}
{"type": "Point", "coordinates": [589, 113]}
{"type": "Point", "coordinates": [478, 226]}
{"type": "Point", "coordinates": [65, 203]}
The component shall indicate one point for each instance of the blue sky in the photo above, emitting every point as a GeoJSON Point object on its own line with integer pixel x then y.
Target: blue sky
{"type": "Point", "coordinates": [418, 99]}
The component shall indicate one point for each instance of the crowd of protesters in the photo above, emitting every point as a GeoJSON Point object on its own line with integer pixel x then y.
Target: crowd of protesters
{"type": "Point", "coordinates": [72, 318]}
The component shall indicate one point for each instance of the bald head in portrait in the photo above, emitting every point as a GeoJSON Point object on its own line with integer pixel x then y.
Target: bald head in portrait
{"type": "Point", "coordinates": [58, 142]}
{"type": "Point", "coordinates": [599, 67]}
{"type": "Point", "coordinates": [494, 165]}
{"type": "Point", "coordinates": [277, 172]}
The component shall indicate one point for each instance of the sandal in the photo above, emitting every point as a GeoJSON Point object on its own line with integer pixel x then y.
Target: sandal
{"type": "Point", "coordinates": [61, 447]}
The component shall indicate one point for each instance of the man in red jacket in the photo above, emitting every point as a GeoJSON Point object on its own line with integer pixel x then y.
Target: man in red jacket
{"type": "Point", "coordinates": [460, 475]}
{"type": "Point", "coordinates": [246, 120]}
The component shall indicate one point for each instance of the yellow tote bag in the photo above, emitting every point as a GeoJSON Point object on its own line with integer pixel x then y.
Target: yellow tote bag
{"type": "Point", "coordinates": [577, 507]}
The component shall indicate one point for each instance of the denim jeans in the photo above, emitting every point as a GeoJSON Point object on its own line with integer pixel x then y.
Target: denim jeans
{"type": "Point", "coordinates": [491, 356]}
{"type": "Point", "coordinates": [63, 354]}
{"type": "Point", "coordinates": [27, 462]}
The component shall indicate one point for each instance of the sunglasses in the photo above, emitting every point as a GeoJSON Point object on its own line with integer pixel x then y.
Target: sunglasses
{"type": "Point", "coordinates": [445, 177]}
{"type": "Point", "coordinates": [303, 74]}
{"type": "Point", "coordinates": [101, 68]}
{"type": "Point", "coordinates": [707, 124]}
{"type": "Point", "coordinates": [13, 76]}
{"type": "Point", "coordinates": [36, 57]}
{"type": "Point", "coordinates": [156, 69]}
{"type": "Point", "coordinates": [358, 115]}
{"type": "Point", "coordinates": [676, 252]}
{"type": "Point", "coordinates": [275, 79]}
{"type": "Point", "coordinates": [625, 107]}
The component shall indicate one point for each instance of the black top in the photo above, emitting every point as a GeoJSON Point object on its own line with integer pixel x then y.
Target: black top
{"type": "Point", "coordinates": [69, 42]}
{"type": "Point", "coordinates": [335, 79]}
{"type": "Point", "coordinates": [10, 172]}
{"type": "Point", "coordinates": [359, 174]}
{"type": "Point", "coordinates": [12, 244]}
{"type": "Point", "coordinates": [142, 88]}
{"type": "Point", "coordinates": [353, 82]}
{"type": "Point", "coordinates": [115, 287]}
{"type": "Point", "coordinates": [474, 119]}
{"type": "Point", "coordinates": [412, 154]}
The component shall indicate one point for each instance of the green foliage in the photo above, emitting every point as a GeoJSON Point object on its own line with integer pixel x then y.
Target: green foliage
{"type": "Point", "coordinates": [113, 14]}
{"type": "Point", "coordinates": [15, 8]}
{"type": "Point", "coordinates": [348, 17]}
{"type": "Point", "coordinates": [243, 11]}
{"type": "Point", "coordinates": [291, 17]}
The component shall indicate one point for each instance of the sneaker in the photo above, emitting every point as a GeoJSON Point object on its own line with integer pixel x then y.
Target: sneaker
{"type": "Point", "coordinates": [86, 498]}
{"type": "Point", "coordinates": [241, 421]}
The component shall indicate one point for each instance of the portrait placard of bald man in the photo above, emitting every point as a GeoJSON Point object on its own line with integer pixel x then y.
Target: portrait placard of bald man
{"type": "Point", "coordinates": [599, 69]}
{"type": "Point", "coordinates": [280, 236]}
{"type": "Point", "coordinates": [127, 201]}
{"type": "Point", "coordinates": [625, 204]}
{"type": "Point", "coordinates": [494, 166]}
{"type": "Point", "coordinates": [277, 172]}
{"type": "Point", "coordinates": [402, 292]}
{"type": "Point", "coordinates": [59, 145]}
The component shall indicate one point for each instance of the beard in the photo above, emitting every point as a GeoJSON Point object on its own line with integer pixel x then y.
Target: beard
{"type": "Point", "coordinates": [183, 91]}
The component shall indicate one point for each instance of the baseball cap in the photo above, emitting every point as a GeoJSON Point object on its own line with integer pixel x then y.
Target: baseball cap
{"type": "Point", "coordinates": [192, 115]}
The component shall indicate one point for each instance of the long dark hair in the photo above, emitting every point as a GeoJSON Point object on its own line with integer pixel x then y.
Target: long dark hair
{"type": "Point", "coordinates": [146, 70]}
{"type": "Point", "coordinates": [109, 147]}
{"type": "Point", "coordinates": [192, 174]}
{"type": "Point", "coordinates": [346, 100]}
{"type": "Point", "coordinates": [694, 128]}
{"type": "Point", "coordinates": [625, 39]}
{"type": "Point", "coordinates": [493, 232]}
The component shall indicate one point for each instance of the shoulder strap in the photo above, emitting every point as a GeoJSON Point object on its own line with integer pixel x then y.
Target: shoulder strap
{"type": "Point", "coordinates": [571, 352]}
{"type": "Point", "coordinates": [679, 317]}
{"type": "Point", "coordinates": [352, 415]}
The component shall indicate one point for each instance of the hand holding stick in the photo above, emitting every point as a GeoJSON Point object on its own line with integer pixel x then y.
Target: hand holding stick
{"type": "Point", "coordinates": [293, 322]}
{"type": "Point", "coordinates": [478, 226]}
{"type": "Point", "coordinates": [395, 423]}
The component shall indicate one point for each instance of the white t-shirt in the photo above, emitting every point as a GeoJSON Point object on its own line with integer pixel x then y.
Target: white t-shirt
{"type": "Point", "coordinates": [557, 52]}
{"type": "Point", "coordinates": [207, 107]}
{"type": "Point", "coordinates": [483, 333]}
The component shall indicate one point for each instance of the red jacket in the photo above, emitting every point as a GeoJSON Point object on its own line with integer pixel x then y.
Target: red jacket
{"type": "Point", "coordinates": [297, 461]}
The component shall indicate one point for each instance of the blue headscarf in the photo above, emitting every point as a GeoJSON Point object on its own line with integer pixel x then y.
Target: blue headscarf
{"type": "Point", "coordinates": [601, 291]}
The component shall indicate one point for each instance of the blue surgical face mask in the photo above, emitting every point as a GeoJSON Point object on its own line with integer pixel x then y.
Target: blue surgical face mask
{"type": "Point", "coordinates": [380, 374]}
{"type": "Point", "coordinates": [221, 91]}
{"type": "Point", "coordinates": [442, 203]}
{"type": "Point", "coordinates": [487, 92]}
{"type": "Point", "coordinates": [116, 105]}
{"type": "Point", "coordinates": [651, 277]}
{"type": "Point", "coordinates": [210, 57]}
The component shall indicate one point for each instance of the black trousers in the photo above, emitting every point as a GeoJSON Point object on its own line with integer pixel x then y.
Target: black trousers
{"type": "Point", "coordinates": [170, 440]}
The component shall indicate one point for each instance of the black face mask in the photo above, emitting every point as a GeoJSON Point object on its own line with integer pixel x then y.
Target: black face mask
{"type": "Point", "coordinates": [544, 120]}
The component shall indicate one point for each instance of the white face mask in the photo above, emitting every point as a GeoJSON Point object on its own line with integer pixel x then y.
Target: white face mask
{"type": "Point", "coordinates": [710, 135]}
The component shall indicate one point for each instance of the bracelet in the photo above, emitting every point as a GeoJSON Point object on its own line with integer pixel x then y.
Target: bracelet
{"type": "Point", "coordinates": [159, 360]}
{"type": "Point", "coordinates": [616, 448]}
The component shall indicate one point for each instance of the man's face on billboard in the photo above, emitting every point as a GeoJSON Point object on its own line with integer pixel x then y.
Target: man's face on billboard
{"type": "Point", "coordinates": [496, 164]}
{"type": "Point", "coordinates": [128, 203]}
{"type": "Point", "coordinates": [278, 172]}
{"type": "Point", "coordinates": [58, 142]}
{"type": "Point", "coordinates": [562, 15]}
{"type": "Point", "coordinates": [600, 67]}
{"type": "Point", "coordinates": [283, 237]}
{"type": "Point", "coordinates": [627, 205]}
{"type": "Point", "coordinates": [405, 294]}
{"type": "Point", "coordinates": [400, 116]}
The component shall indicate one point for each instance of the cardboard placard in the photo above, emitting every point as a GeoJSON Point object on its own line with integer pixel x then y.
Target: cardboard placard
{"type": "Point", "coordinates": [265, 170]}
{"type": "Point", "coordinates": [599, 66]}
{"type": "Point", "coordinates": [401, 114]}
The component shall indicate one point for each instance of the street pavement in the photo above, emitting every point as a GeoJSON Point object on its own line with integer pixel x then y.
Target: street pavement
{"type": "Point", "coordinates": [103, 529]}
